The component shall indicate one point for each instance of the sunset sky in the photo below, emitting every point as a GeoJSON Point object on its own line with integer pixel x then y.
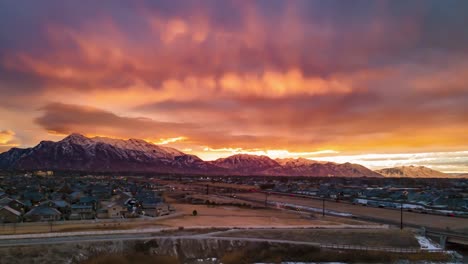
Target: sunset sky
{"type": "Point", "coordinates": [381, 83]}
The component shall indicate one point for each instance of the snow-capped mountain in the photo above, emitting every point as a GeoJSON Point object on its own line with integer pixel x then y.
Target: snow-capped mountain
{"type": "Point", "coordinates": [412, 171]}
{"type": "Point", "coordinates": [306, 167]}
{"type": "Point", "coordinates": [246, 164]}
{"type": "Point", "coordinates": [99, 154]}
{"type": "Point", "coordinates": [77, 152]}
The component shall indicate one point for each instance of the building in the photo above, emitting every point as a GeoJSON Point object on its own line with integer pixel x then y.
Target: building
{"type": "Point", "coordinates": [82, 212]}
{"type": "Point", "coordinates": [9, 215]}
{"type": "Point", "coordinates": [116, 210]}
{"type": "Point", "coordinates": [12, 203]}
{"type": "Point", "coordinates": [42, 213]}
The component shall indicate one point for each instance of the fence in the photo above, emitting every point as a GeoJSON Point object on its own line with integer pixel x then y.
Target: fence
{"type": "Point", "coordinates": [53, 226]}
{"type": "Point", "coordinates": [385, 249]}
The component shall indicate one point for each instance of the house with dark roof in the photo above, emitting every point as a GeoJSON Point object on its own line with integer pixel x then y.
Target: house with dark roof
{"type": "Point", "coordinates": [9, 215]}
{"type": "Point", "coordinates": [12, 203]}
{"type": "Point", "coordinates": [60, 205]}
{"type": "Point", "coordinates": [42, 213]}
{"type": "Point", "coordinates": [81, 212]}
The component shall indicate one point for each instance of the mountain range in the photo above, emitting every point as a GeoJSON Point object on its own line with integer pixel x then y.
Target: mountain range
{"type": "Point", "coordinates": [412, 171]}
{"type": "Point", "coordinates": [99, 154]}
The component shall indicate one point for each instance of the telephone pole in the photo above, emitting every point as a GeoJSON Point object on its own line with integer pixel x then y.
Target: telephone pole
{"type": "Point", "coordinates": [401, 215]}
{"type": "Point", "coordinates": [323, 206]}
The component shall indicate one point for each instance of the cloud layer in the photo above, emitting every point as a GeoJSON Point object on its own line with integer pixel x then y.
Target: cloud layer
{"type": "Point", "coordinates": [216, 78]}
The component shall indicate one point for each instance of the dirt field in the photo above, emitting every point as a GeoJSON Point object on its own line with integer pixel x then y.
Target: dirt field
{"type": "Point", "coordinates": [207, 216]}
{"type": "Point", "coordinates": [358, 237]}
{"type": "Point", "coordinates": [63, 226]}
{"type": "Point", "coordinates": [433, 221]}
{"type": "Point", "coordinates": [235, 216]}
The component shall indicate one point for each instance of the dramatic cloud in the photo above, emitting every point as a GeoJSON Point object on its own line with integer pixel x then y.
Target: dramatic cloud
{"type": "Point", "coordinates": [66, 119]}
{"type": "Point", "coordinates": [284, 78]}
{"type": "Point", "coordinates": [7, 140]}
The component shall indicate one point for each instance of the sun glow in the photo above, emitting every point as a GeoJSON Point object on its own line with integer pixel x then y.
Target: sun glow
{"type": "Point", "coordinates": [164, 141]}
{"type": "Point", "coordinates": [212, 153]}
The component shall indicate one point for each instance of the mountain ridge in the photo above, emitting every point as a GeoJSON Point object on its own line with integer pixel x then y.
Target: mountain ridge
{"type": "Point", "coordinates": [411, 171]}
{"type": "Point", "coordinates": [79, 153]}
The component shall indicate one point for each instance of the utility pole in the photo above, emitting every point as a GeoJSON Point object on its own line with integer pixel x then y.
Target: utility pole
{"type": "Point", "coordinates": [323, 206]}
{"type": "Point", "coordinates": [401, 215]}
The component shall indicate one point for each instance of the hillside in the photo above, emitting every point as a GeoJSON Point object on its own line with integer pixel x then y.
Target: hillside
{"type": "Point", "coordinates": [99, 154]}
{"type": "Point", "coordinates": [412, 171]}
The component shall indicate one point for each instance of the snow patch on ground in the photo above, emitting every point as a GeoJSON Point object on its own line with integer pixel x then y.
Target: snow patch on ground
{"type": "Point", "coordinates": [306, 208]}
{"type": "Point", "coordinates": [425, 243]}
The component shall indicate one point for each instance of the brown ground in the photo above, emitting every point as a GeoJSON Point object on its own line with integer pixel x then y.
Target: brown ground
{"type": "Point", "coordinates": [236, 216]}
{"type": "Point", "coordinates": [432, 221]}
{"type": "Point", "coordinates": [358, 237]}
{"type": "Point", "coordinates": [242, 216]}
{"type": "Point", "coordinates": [207, 216]}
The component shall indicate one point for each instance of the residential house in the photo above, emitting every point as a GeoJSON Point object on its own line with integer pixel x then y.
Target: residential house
{"type": "Point", "coordinates": [88, 200]}
{"type": "Point", "coordinates": [116, 210]}
{"type": "Point", "coordinates": [42, 213]}
{"type": "Point", "coordinates": [82, 212]}
{"type": "Point", "coordinates": [34, 196]}
{"type": "Point", "coordinates": [12, 203]}
{"type": "Point", "coordinates": [9, 215]}
{"type": "Point", "coordinates": [60, 205]}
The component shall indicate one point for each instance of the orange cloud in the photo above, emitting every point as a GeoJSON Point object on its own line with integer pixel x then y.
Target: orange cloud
{"type": "Point", "coordinates": [8, 140]}
{"type": "Point", "coordinates": [240, 77]}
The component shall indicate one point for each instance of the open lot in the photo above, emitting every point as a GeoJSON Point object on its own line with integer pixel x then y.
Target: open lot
{"type": "Point", "coordinates": [207, 216]}
{"type": "Point", "coordinates": [430, 221]}
{"type": "Point", "coordinates": [237, 216]}
{"type": "Point", "coordinates": [357, 237]}
{"type": "Point", "coordinates": [71, 226]}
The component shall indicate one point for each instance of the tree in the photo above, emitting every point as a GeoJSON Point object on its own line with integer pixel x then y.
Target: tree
{"type": "Point", "coordinates": [194, 213]}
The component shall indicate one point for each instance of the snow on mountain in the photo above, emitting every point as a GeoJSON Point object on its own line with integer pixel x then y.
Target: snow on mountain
{"type": "Point", "coordinates": [412, 171]}
{"type": "Point", "coordinates": [243, 163]}
{"type": "Point", "coordinates": [141, 145]}
{"type": "Point", "coordinates": [299, 162]}
{"type": "Point", "coordinates": [306, 167]}
{"type": "Point", "coordinates": [79, 153]}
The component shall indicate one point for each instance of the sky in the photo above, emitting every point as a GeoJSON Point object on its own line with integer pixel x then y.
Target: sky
{"type": "Point", "coordinates": [381, 83]}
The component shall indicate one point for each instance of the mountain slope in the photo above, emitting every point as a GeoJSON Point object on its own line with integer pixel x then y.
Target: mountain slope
{"type": "Point", "coordinates": [306, 167]}
{"type": "Point", "coordinates": [246, 164]}
{"type": "Point", "coordinates": [411, 171]}
{"type": "Point", "coordinates": [79, 153]}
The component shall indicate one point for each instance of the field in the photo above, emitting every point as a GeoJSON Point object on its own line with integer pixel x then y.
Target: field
{"type": "Point", "coordinates": [208, 216]}
{"type": "Point", "coordinates": [358, 237]}
{"type": "Point", "coordinates": [240, 216]}
{"type": "Point", "coordinates": [432, 221]}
